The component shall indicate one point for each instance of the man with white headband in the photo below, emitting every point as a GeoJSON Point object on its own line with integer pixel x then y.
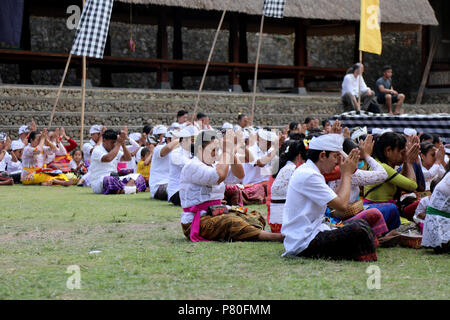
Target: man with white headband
{"type": "Point", "coordinates": [307, 199]}
{"type": "Point", "coordinates": [96, 139]}
{"type": "Point", "coordinates": [14, 167]}
{"type": "Point", "coordinates": [159, 171]}
{"type": "Point", "coordinates": [177, 159]}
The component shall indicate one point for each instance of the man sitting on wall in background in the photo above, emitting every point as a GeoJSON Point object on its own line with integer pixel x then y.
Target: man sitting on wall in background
{"type": "Point", "coordinates": [386, 93]}
{"type": "Point", "coordinates": [182, 119]}
{"type": "Point", "coordinates": [351, 90]}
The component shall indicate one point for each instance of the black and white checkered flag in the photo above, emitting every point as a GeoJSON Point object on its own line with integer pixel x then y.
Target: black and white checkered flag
{"type": "Point", "coordinates": [274, 8]}
{"type": "Point", "coordinates": [92, 30]}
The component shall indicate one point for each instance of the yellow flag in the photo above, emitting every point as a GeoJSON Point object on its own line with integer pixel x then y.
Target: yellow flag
{"type": "Point", "coordinates": [370, 36]}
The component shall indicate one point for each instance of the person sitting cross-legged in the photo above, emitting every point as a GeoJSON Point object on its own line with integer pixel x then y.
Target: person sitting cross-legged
{"type": "Point", "coordinates": [202, 187]}
{"type": "Point", "coordinates": [104, 161]}
{"type": "Point", "coordinates": [386, 93]}
{"type": "Point", "coordinates": [307, 198]}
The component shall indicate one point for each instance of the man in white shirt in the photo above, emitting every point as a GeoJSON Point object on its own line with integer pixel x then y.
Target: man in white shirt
{"type": "Point", "coordinates": [351, 89]}
{"type": "Point", "coordinates": [182, 120]}
{"type": "Point", "coordinates": [181, 155]}
{"type": "Point", "coordinates": [307, 199]}
{"type": "Point", "coordinates": [96, 139]}
{"type": "Point", "coordinates": [14, 165]}
{"type": "Point", "coordinates": [104, 161]}
{"type": "Point", "coordinates": [159, 171]}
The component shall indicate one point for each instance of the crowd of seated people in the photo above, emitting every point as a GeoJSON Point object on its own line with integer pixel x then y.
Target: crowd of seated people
{"type": "Point", "coordinates": [330, 192]}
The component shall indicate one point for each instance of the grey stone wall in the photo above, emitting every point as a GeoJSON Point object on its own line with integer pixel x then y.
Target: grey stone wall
{"type": "Point", "coordinates": [401, 50]}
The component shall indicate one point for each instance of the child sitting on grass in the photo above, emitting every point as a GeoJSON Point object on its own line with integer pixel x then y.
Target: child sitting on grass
{"type": "Point", "coordinates": [78, 166]}
{"type": "Point", "coordinates": [143, 166]}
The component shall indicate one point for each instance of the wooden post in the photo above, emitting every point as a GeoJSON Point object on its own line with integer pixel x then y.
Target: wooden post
{"type": "Point", "coordinates": [162, 51]}
{"type": "Point", "coordinates": [425, 46]}
{"type": "Point", "coordinates": [300, 55]}
{"type": "Point", "coordinates": [356, 56]}
{"type": "Point", "coordinates": [255, 78]}
{"type": "Point", "coordinates": [177, 46]}
{"type": "Point", "coordinates": [233, 53]}
{"type": "Point", "coordinates": [243, 49]}
{"type": "Point", "coordinates": [25, 44]}
{"type": "Point", "coordinates": [359, 78]}
{"type": "Point", "coordinates": [105, 73]}
{"type": "Point", "coordinates": [426, 72]}
{"type": "Point", "coordinates": [83, 96]}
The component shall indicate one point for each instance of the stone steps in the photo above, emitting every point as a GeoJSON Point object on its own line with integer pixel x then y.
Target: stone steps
{"type": "Point", "coordinates": [156, 95]}
{"type": "Point", "coordinates": [135, 107]}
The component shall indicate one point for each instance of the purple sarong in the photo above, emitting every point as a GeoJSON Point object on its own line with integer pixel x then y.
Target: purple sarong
{"type": "Point", "coordinates": [112, 185]}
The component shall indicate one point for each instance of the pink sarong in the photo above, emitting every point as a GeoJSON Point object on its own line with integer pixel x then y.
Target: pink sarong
{"type": "Point", "coordinates": [195, 225]}
{"type": "Point", "coordinates": [374, 218]}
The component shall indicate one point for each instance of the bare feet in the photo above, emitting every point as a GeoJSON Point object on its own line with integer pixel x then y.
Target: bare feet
{"type": "Point", "coordinates": [47, 183]}
{"type": "Point", "coordinates": [269, 236]}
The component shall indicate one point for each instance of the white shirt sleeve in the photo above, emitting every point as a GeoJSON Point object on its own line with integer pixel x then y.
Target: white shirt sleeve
{"type": "Point", "coordinates": [97, 155]}
{"type": "Point", "coordinates": [316, 189]}
{"type": "Point", "coordinates": [346, 85]}
{"type": "Point", "coordinates": [177, 158]}
{"type": "Point", "coordinates": [436, 171]}
{"type": "Point", "coordinates": [73, 164]}
{"type": "Point", "coordinates": [134, 146]}
{"type": "Point", "coordinates": [364, 177]}
{"type": "Point", "coordinates": [87, 148]}
{"type": "Point", "coordinates": [201, 174]}
{"type": "Point", "coordinates": [364, 87]}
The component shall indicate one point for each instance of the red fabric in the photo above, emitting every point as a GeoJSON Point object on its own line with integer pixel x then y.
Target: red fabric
{"type": "Point", "coordinates": [409, 211]}
{"type": "Point", "coordinates": [275, 227]}
{"type": "Point", "coordinates": [233, 195]}
{"type": "Point", "coordinates": [71, 146]}
{"type": "Point", "coordinates": [334, 175]}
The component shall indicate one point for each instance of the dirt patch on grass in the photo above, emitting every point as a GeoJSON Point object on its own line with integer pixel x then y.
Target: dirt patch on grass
{"type": "Point", "coordinates": [54, 235]}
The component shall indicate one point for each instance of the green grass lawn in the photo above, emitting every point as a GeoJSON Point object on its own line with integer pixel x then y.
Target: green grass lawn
{"type": "Point", "coordinates": [144, 255]}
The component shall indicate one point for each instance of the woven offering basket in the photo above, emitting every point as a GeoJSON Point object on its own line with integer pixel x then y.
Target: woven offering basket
{"type": "Point", "coordinates": [352, 210]}
{"type": "Point", "coordinates": [410, 241]}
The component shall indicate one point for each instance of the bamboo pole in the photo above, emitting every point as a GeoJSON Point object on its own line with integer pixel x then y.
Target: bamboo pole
{"type": "Point", "coordinates": [83, 95]}
{"type": "Point", "coordinates": [359, 78]}
{"type": "Point", "coordinates": [59, 91]}
{"type": "Point", "coordinates": [207, 64]}
{"type": "Point", "coordinates": [255, 78]}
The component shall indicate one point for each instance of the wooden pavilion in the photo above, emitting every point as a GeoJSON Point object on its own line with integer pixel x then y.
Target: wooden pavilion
{"type": "Point", "coordinates": [302, 17]}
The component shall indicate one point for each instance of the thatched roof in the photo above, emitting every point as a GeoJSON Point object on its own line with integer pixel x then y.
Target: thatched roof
{"type": "Point", "coordinates": [392, 11]}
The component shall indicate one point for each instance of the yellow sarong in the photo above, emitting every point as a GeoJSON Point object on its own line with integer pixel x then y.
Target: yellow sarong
{"type": "Point", "coordinates": [31, 176]}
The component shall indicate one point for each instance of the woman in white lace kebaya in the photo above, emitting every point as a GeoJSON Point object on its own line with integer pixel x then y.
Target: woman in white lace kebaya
{"type": "Point", "coordinates": [436, 229]}
{"type": "Point", "coordinates": [292, 154]}
{"type": "Point", "coordinates": [362, 178]}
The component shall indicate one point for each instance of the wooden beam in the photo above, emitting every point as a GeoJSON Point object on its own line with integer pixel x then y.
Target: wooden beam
{"type": "Point", "coordinates": [177, 46]}
{"type": "Point", "coordinates": [162, 51]}
{"type": "Point", "coordinates": [25, 44]}
{"type": "Point", "coordinates": [243, 50]}
{"type": "Point", "coordinates": [300, 52]}
{"type": "Point", "coordinates": [426, 73]}
{"type": "Point", "coordinates": [105, 73]}
{"type": "Point", "coordinates": [356, 48]}
{"type": "Point", "coordinates": [233, 51]}
{"type": "Point", "coordinates": [425, 46]}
